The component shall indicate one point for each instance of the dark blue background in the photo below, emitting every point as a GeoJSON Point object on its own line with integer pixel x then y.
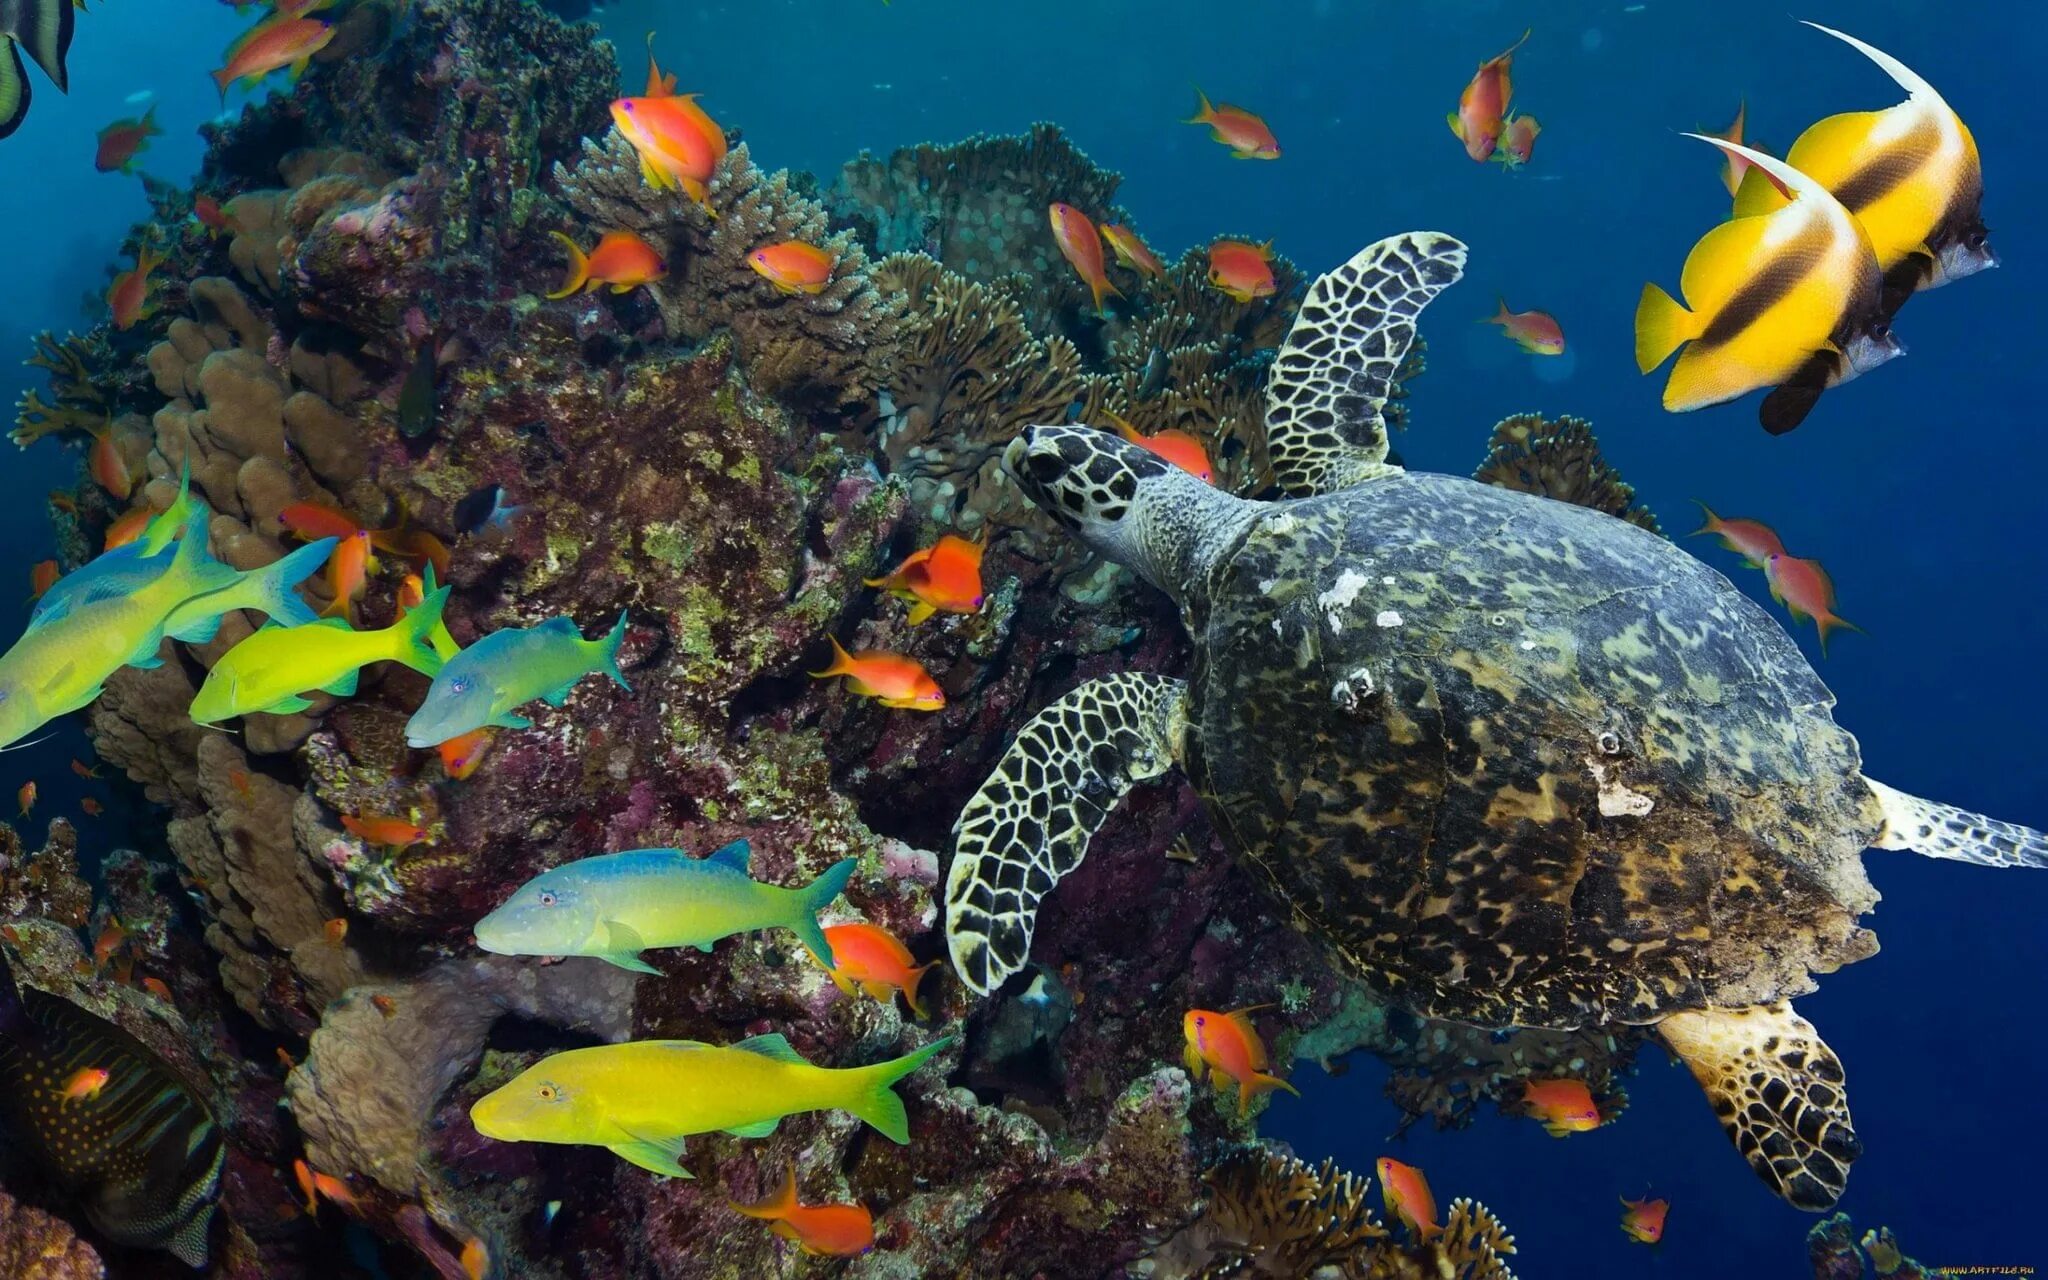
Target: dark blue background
{"type": "Point", "coordinates": [1919, 486]}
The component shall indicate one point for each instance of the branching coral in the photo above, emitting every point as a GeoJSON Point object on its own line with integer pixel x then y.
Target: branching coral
{"type": "Point", "coordinates": [1272, 1215]}
{"type": "Point", "coordinates": [80, 404]}
{"type": "Point", "coordinates": [1559, 459]}
{"type": "Point", "coordinates": [1836, 1254]}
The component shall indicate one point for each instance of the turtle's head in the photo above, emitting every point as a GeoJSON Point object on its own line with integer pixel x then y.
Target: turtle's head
{"type": "Point", "coordinates": [1127, 503]}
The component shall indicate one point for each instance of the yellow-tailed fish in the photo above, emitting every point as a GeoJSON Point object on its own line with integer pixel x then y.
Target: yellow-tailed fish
{"type": "Point", "coordinates": [1789, 297]}
{"type": "Point", "coordinates": [507, 669]}
{"type": "Point", "coordinates": [642, 1100]}
{"type": "Point", "coordinates": [616, 905]}
{"type": "Point", "coordinates": [274, 669]}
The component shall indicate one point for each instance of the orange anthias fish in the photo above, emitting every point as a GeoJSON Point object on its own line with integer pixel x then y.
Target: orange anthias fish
{"type": "Point", "coordinates": [121, 141]}
{"type": "Point", "coordinates": [1804, 588]}
{"type": "Point", "coordinates": [27, 797]}
{"type": "Point", "coordinates": [1517, 141]}
{"type": "Point", "coordinates": [1242, 269]}
{"type": "Point", "coordinates": [304, 1174]}
{"type": "Point", "coordinates": [679, 146]}
{"type": "Point", "coordinates": [84, 770]}
{"type": "Point", "coordinates": [128, 296]}
{"type": "Point", "coordinates": [1081, 246]}
{"type": "Point", "coordinates": [41, 578]}
{"type": "Point", "coordinates": [1132, 251]}
{"type": "Point", "coordinates": [1228, 1045]}
{"type": "Point", "coordinates": [1564, 1106]}
{"type": "Point", "coordinates": [85, 1084]}
{"type": "Point", "coordinates": [392, 833]}
{"type": "Point", "coordinates": [871, 960]}
{"type": "Point", "coordinates": [822, 1230]}
{"type": "Point", "coordinates": [1172, 444]}
{"type": "Point", "coordinates": [942, 578]}
{"type": "Point", "coordinates": [156, 987]}
{"type": "Point", "coordinates": [128, 528]}
{"type": "Point", "coordinates": [336, 931]}
{"type": "Point", "coordinates": [210, 214]}
{"type": "Point", "coordinates": [111, 939]}
{"type": "Point", "coordinates": [109, 467]}
{"type": "Point", "coordinates": [311, 521]}
{"type": "Point", "coordinates": [793, 266]}
{"type": "Point", "coordinates": [1643, 1220]}
{"type": "Point", "coordinates": [1734, 165]}
{"type": "Point", "coordinates": [334, 1189]}
{"type": "Point", "coordinates": [384, 1005]}
{"type": "Point", "coordinates": [1753, 540]}
{"type": "Point", "coordinates": [1244, 133]}
{"type": "Point", "coordinates": [1536, 332]}
{"type": "Point", "coordinates": [281, 41]}
{"type": "Point", "coordinates": [462, 754]}
{"type": "Point", "coordinates": [621, 259]}
{"type": "Point", "coordinates": [1407, 1196]}
{"type": "Point", "coordinates": [91, 806]}
{"type": "Point", "coordinates": [1478, 119]}
{"type": "Point", "coordinates": [890, 678]}
{"type": "Point", "coordinates": [348, 573]}
{"type": "Point", "coordinates": [476, 1260]}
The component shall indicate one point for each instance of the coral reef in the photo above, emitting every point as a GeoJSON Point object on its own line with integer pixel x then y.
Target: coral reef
{"type": "Point", "coordinates": [1559, 459]}
{"type": "Point", "coordinates": [36, 1246]}
{"type": "Point", "coordinates": [1836, 1253]}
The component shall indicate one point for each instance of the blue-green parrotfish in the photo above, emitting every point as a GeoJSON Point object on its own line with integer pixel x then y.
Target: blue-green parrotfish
{"type": "Point", "coordinates": [274, 669]}
{"type": "Point", "coordinates": [507, 669]}
{"type": "Point", "coordinates": [616, 905]}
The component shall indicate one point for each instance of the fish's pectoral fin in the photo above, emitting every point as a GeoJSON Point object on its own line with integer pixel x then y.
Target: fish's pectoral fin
{"type": "Point", "coordinates": [287, 706]}
{"type": "Point", "coordinates": [760, 1130]}
{"type": "Point", "coordinates": [656, 1155]}
{"type": "Point", "coordinates": [510, 721]}
{"type": "Point", "coordinates": [622, 939]}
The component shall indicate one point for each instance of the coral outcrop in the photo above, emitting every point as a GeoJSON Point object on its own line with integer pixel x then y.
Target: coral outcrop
{"type": "Point", "coordinates": [37, 1246]}
{"type": "Point", "coordinates": [1559, 459]}
{"type": "Point", "coordinates": [1837, 1254]}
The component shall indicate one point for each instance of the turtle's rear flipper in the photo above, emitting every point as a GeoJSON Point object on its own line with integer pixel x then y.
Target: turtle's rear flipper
{"type": "Point", "coordinates": [1778, 1091]}
{"type": "Point", "coordinates": [1030, 823]}
{"type": "Point", "coordinates": [1943, 831]}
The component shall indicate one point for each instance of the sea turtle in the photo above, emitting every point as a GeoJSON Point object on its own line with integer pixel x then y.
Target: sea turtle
{"type": "Point", "coordinates": [1516, 762]}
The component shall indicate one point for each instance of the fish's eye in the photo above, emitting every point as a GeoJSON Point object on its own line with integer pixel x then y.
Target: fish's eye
{"type": "Point", "coordinates": [1201, 1022]}
{"type": "Point", "coordinates": [460, 684]}
{"type": "Point", "coordinates": [546, 898]}
{"type": "Point", "coordinates": [547, 1093]}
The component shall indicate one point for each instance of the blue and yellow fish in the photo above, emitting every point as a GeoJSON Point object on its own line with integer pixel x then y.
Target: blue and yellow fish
{"type": "Point", "coordinates": [507, 669]}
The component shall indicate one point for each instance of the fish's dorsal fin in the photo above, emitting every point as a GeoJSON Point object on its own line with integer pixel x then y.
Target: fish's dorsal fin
{"type": "Point", "coordinates": [560, 624]}
{"type": "Point", "coordinates": [1905, 77]}
{"type": "Point", "coordinates": [773, 1045]}
{"type": "Point", "coordinates": [735, 856]}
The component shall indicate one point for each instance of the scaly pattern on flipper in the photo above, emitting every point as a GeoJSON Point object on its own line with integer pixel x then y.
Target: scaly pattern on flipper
{"type": "Point", "coordinates": [1778, 1091]}
{"type": "Point", "coordinates": [1325, 425]}
{"type": "Point", "coordinates": [1944, 831]}
{"type": "Point", "coordinates": [1029, 824]}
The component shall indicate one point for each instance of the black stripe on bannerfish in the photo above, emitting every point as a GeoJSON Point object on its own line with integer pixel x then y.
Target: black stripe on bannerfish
{"type": "Point", "coordinates": [1767, 288]}
{"type": "Point", "coordinates": [1891, 168]}
{"type": "Point", "coordinates": [143, 1158]}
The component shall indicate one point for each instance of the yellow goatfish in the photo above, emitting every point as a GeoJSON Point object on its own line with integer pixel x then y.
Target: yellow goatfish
{"type": "Point", "coordinates": [641, 1100]}
{"type": "Point", "coordinates": [1909, 173]}
{"type": "Point", "coordinates": [59, 666]}
{"type": "Point", "coordinates": [1783, 297]}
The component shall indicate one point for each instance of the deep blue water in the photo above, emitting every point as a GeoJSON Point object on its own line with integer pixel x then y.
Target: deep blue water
{"type": "Point", "coordinates": [1918, 487]}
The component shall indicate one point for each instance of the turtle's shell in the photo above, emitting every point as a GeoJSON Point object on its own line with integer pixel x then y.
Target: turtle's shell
{"type": "Point", "coordinates": [1522, 763]}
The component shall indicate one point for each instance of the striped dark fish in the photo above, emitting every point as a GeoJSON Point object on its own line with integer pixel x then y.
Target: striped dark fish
{"type": "Point", "coordinates": [43, 27]}
{"type": "Point", "coordinates": [142, 1157]}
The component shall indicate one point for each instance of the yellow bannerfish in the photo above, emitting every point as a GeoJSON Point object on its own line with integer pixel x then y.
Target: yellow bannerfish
{"type": "Point", "coordinates": [1791, 296]}
{"type": "Point", "coordinates": [642, 1099]}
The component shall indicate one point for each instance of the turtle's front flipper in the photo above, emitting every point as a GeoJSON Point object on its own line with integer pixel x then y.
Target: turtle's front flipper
{"type": "Point", "coordinates": [1778, 1090]}
{"type": "Point", "coordinates": [1943, 831]}
{"type": "Point", "coordinates": [1030, 823]}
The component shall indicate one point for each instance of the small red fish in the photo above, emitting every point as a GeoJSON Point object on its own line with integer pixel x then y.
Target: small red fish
{"type": "Point", "coordinates": [1536, 332]}
{"type": "Point", "coordinates": [91, 806]}
{"type": "Point", "coordinates": [334, 1190]}
{"type": "Point", "coordinates": [793, 266]}
{"type": "Point", "coordinates": [280, 41]}
{"type": "Point", "coordinates": [870, 959]}
{"type": "Point", "coordinates": [1805, 589]}
{"type": "Point", "coordinates": [461, 755]}
{"type": "Point", "coordinates": [239, 779]}
{"type": "Point", "coordinates": [942, 578]}
{"type": "Point", "coordinates": [336, 931]}
{"type": "Point", "coordinates": [210, 214]}
{"type": "Point", "coordinates": [127, 529]}
{"type": "Point", "coordinates": [304, 1174]}
{"type": "Point", "coordinates": [621, 259]}
{"type": "Point", "coordinates": [1477, 121]}
{"type": "Point", "coordinates": [1564, 1106]}
{"type": "Point", "coordinates": [1643, 1220]}
{"type": "Point", "coordinates": [385, 1005]}
{"type": "Point", "coordinates": [891, 678]}
{"type": "Point", "coordinates": [1408, 1198]}
{"type": "Point", "coordinates": [312, 521]}
{"type": "Point", "coordinates": [82, 769]}
{"type": "Point", "coordinates": [121, 141]}
{"type": "Point", "coordinates": [10, 933]}
{"type": "Point", "coordinates": [1081, 246]}
{"type": "Point", "coordinates": [27, 797]}
{"type": "Point", "coordinates": [1753, 540]}
{"type": "Point", "coordinates": [1132, 251]}
{"type": "Point", "coordinates": [63, 500]}
{"type": "Point", "coordinates": [1734, 165]}
{"type": "Point", "coordinates": [823, 1230]}
{"type": "Point", "coordinates": [1242, 269]}
{"type": "Point", "coordinates": [1517, 141]}
{"type": "Point", "coordinates": [679, 146]}
{"type": "Point", "coordinates": [285, 1058]}
{"type": "Point", "coordinates": [1172, 444]}
{"type": "Point", "coordinates": [1244, 133]}
{"type": "Point", "coordinates": [1228, 1045]}
{"type": "Point", "coordinates": [156, 987]}
{"type": "Point", "coordinates": [112, 937]}
{"type": "Point", "coordinates": [128, 297]}
{"type": "Point", "coordinates": [392, 833]}
{"type": "Point", "coordinates": [41, 578]}
{"type": "Point", "coordinates": [85, 1084]}
{"type": "Point", "coordinates": [348, 574]}
{"type": "Point", "coordinates": [110, 468]}
{"type": "Point", "coordinates": [476, 1260]}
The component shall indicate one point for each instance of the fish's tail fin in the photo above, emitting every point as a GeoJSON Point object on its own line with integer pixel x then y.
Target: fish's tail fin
{"type": "Point", "coordinates": [842, 662]}
{"type": "Point", "coordinates": [412, 637]}
{"type": "Point", "coordinates": [815, 897]}
{"type": "Point", "coordinates": [608, 651]}
{"type": "Point", "coordinates": [1098, 287]}
{"type": "Point", "coordinates": [1661, 325]}
{"type": "Point", "coordinates": [1828, 622]}
{"type": "Point", "coordinates": [579, 268]}
{"type": "Point", "coordinates": [275, 586]}
{"type": "Point", "coordinates": [1259, 1082]}
{"type": "Point", "coordinates": [775, 1207]}
{"type": "Point", "coordinates": [1204, 112]}
{"type": "Point", "coordinates": [873, 1098]}
{"type": "Point", "coordinates": [1713, 522]}
{"type": "Point", "coordinates": [1501, 315]}
{"type": "Point", "coordinates": [917, 1009]}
